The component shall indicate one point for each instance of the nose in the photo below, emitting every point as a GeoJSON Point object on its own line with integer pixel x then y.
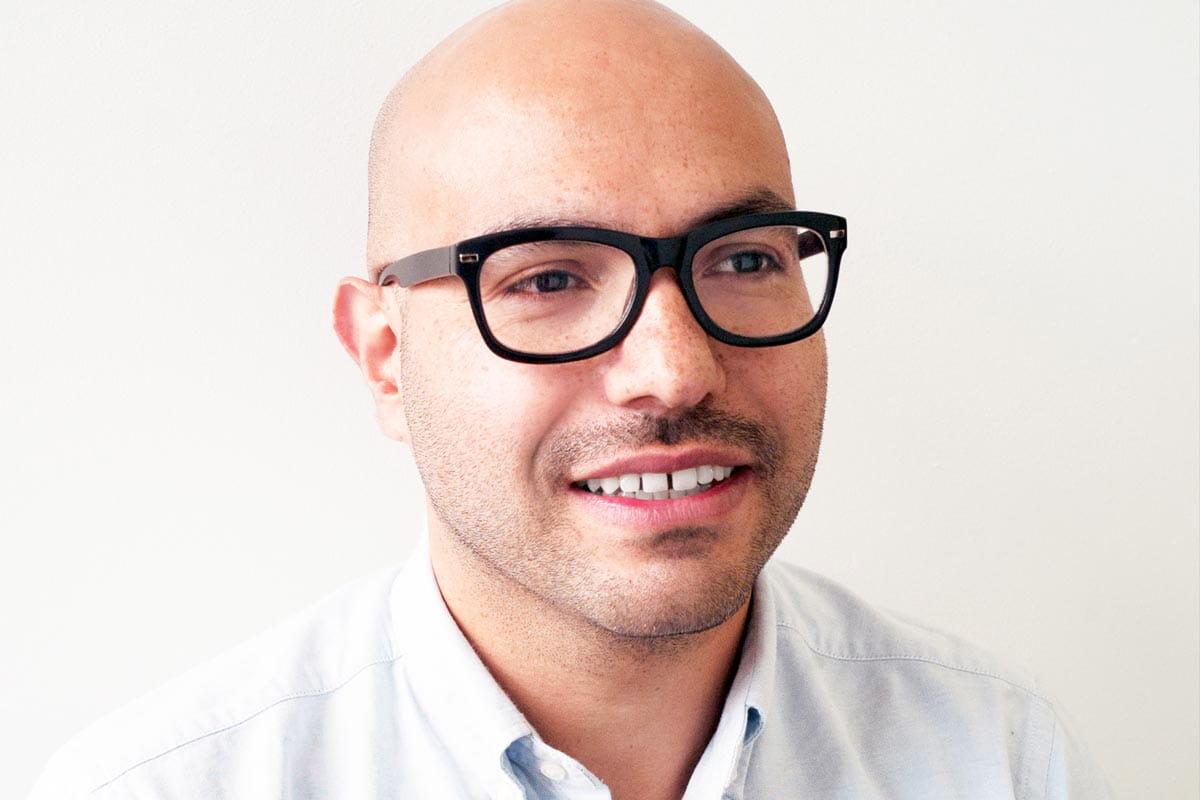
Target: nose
{"type": "Point", "coordinates": [667, 362]}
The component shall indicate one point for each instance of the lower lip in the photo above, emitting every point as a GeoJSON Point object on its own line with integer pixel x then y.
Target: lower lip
{"type": "Point", "coordinates": [656, 515]}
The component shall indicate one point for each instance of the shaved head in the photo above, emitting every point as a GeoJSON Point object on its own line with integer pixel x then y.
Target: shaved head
{"type": "Point", "coordinates": [522, 93]}
{"type": "Point", "coordinates": [614, 114]}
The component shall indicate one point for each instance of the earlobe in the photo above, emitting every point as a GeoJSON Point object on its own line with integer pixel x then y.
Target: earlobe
{"type": "Point", "coordinates": [361, 322]}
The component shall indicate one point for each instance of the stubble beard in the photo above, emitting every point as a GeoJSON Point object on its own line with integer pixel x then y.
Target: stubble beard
{"type": "Point", "coordinates": [523, 550]}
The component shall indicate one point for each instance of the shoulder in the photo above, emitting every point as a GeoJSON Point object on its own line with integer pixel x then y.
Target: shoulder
{"type": "Point", "coordinates": [296, 667]}
{"type": "Point", "coordinates": [834, 625]}
{"type": "Point", "coordinates": [922, 711]}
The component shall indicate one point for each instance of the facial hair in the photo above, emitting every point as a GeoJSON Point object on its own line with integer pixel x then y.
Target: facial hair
{"type": "Point", "coordinates": [510, 518]}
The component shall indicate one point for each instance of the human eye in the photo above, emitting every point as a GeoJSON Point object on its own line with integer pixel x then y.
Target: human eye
{"type": "Point", "coordinates": [541, 270]}
{"type": "Point", "coordinates": [544, 280]}
{"type": "Point", "coordinates": [747, 261]}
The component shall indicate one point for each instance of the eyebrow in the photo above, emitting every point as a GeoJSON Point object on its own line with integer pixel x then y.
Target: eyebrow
{"type": "Point", "coordinates": [758, 201]}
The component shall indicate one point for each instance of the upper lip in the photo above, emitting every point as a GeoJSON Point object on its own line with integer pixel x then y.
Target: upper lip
{"type": "Point", "coordinates": [665, 462]}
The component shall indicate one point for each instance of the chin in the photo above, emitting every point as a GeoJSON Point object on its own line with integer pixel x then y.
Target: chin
{"type": "Point", "coordinates": [669, 600]}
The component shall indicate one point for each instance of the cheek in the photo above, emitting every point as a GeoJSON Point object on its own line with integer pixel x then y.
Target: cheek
{"type": "Point", "coordinates": [784, 386]}
{"type": "Point", "coordinates": [472, 406]}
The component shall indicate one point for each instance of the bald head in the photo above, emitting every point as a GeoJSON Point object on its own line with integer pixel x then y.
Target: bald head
{"type": "Point", "coordinates": [611, 114]}
{"type": "Point", "coordinates": [540, 108]}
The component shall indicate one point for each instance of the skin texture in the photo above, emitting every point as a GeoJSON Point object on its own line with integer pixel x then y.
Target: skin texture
{"type": "Point", "coordinates": [617, 114]}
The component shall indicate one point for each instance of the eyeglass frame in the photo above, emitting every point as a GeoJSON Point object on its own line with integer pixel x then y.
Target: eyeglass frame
{"type": "Point", "coordinates": [466, 258]}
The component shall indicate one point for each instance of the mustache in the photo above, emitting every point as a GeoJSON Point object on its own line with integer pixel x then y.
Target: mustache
{"type": "Point", "coordinates": [700, 424]}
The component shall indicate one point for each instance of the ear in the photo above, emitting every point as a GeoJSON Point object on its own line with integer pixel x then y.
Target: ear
{"type": "Point", "coordinates": [361, 323]}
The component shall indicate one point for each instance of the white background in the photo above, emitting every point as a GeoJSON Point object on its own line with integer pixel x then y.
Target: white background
{"type": "Point", "coordinates": [1012, 442]}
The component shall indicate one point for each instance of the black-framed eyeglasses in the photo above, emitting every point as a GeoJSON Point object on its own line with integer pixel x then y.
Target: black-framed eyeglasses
{"type": "Point", "coordinates": [550, 295]}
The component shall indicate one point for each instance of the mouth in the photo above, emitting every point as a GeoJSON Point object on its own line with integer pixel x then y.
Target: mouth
{"type": "Point", "coordinates": [659, 485]}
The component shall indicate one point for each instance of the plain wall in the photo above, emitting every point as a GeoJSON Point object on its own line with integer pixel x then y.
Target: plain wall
{"type": "Point", "coordinates": [1011, 450]}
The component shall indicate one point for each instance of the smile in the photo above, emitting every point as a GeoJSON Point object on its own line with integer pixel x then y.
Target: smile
{"type": "Point", "coordinates": [658, 485]}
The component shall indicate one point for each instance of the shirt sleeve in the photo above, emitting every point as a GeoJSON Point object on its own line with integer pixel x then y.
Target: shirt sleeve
{"type": "Point", "coordinates": [1071, 774]}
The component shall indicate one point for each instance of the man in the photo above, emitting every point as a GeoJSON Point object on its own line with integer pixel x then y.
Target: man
{"type": "Point", "coordinates": [594, 315]}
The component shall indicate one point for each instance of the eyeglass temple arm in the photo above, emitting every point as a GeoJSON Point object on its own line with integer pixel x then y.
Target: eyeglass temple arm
{"type": "Point", "coordinates": [423, 266]}
{"type": "Point", "coordinates": [809, 244]}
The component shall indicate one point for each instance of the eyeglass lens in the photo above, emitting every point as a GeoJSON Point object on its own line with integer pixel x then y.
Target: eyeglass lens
{"type": "Point", "coordinates": [553, 297]}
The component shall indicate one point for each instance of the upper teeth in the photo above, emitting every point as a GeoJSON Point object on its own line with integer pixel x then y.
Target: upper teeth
{"type": "Point", "coordinates": [660, 485]}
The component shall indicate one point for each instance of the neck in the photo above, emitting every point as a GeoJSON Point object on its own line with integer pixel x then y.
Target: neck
{"type": "Point", "coordinates": [637, 712]}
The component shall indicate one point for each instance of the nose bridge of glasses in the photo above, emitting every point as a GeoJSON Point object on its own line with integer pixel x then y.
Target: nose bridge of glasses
{"type": "Point", "coordinates": [666, 252]}
{"type": "Point", "coordinates": [662, 253]}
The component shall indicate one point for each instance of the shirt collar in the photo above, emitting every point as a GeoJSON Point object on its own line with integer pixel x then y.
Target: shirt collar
{"type": "Point", "coordinates": [725, 760]}
{"type": "Point", "coordinates": [464, 708]}
{"type": "Point", "coordinates": [475, 720]}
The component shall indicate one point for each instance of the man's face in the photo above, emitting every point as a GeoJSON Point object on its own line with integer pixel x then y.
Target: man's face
{"type": "Point", "coordinates": [505, 449]}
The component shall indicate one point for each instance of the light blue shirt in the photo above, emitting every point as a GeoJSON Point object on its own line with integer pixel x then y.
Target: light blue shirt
{"type": "Point", "coordinates": [375, 693]}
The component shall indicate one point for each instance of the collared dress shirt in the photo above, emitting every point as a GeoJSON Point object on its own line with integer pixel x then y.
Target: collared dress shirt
{"type": "Point", "coordinates": [375, 693]}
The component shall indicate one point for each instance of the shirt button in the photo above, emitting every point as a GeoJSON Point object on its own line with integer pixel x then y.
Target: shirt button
{"type": "Point", "coordinates": [551, 770]}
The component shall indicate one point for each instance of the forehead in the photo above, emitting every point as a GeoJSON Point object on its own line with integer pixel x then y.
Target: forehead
{"type": "Point", "coordinates": [615, 168]}
{"type": "Point", "coordinates": [638, 145]}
